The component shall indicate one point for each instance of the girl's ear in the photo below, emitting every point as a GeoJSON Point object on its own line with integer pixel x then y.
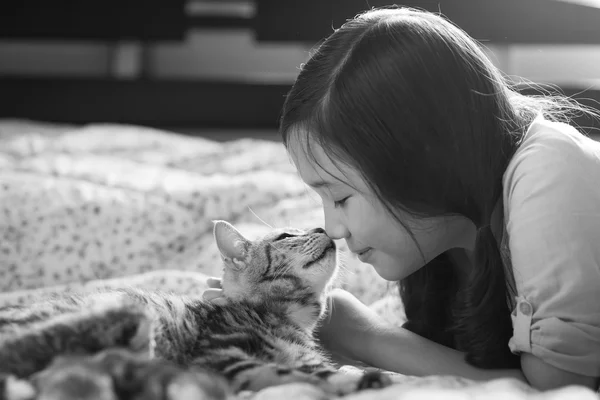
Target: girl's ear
{"type": "Point", "coordinates": [232, 245]}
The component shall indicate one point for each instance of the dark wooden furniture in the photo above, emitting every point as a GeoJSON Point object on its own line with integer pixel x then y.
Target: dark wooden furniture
{"type": "Point", "coordinates": [237, 104]}
{"type": "Point", "coordinates": [498, 21]}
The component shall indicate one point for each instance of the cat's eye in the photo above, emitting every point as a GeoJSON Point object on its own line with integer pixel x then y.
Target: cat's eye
{"type": "Point", "coordinates": [283, 236]}
{"type": "Point", "coordinates": [340, 203]}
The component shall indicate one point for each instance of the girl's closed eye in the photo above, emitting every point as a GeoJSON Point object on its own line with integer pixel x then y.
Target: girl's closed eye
{"type": "Point", "coordinates": [340, 203]}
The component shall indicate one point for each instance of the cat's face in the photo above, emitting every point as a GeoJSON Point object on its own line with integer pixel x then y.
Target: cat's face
{"type": "Point", "coordinates": [282, 265]}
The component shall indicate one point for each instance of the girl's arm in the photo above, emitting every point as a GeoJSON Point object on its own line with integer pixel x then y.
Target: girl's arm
{"type": "Point", "coordinates": [355, 331]}
{"type": "Point", "coordinates": [400, 350]}
{"type": "Point", "coordinates": [544, 376]}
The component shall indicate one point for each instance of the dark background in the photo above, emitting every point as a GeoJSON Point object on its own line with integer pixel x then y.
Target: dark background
{"type": "Point", "coordinates": [188, 103]}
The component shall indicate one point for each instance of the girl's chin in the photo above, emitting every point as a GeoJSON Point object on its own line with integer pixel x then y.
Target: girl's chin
{"type": "Point", "coordinates": [390, 270]}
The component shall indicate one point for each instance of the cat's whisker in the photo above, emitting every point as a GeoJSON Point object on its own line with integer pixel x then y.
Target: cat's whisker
{"type": "Point", "coordinates": [342, 276]}
{"type": "Point", "coordinates": [277, 248]}
{"type": "Point", "coordinates": [288, 267]}
{"type": "Point", "coordinates": [280, 270]}
{"type": "Point", "coordinates": [259, 218]}
{"type": "Point", "coordinates": [292, 260]}
{"type": "Point", "coordinates": [330, 307]}
{"type": "Point", "coordinates": [344, 269]}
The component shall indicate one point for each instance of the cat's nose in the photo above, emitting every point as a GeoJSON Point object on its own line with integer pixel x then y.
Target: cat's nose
{"type": "Point", "coordinates": [317, 230]}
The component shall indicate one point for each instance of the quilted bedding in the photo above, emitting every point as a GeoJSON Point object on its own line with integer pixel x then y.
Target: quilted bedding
{"type": "Point", "coordinates": [110, 205]}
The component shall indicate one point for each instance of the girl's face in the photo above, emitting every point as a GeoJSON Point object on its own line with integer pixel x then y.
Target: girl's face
{"type": "Point", "coordinates": [354, 213]}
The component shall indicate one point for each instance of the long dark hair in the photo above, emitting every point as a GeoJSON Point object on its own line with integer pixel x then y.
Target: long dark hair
{"type": "Point", "coordinates": [413, 103]}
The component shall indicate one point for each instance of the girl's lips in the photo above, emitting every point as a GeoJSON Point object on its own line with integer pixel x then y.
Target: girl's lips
{"type": "Point", "coordinates": [364, 255]}
{"type": "Point", "coordinates": [357, 252]}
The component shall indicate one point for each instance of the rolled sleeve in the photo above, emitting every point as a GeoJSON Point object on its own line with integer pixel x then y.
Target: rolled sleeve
{"type": "Point", "coordinates": [521, 320]}
{"type": "Point", "coordinates": [552, 213]}
{"type": "Point", "coordinates": [567, 345]}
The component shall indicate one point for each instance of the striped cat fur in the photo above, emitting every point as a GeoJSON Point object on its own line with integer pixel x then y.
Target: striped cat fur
{"type": "Point", "coordinates": [131, 343]}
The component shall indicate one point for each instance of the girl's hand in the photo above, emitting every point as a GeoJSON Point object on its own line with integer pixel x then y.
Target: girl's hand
{"type": "Point", "coordinates": [214, 293]}
{"type": "Point", "coordinates": [349, 328]}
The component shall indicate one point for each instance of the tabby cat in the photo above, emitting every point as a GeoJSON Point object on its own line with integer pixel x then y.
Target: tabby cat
{"type": "Point", "coordinates": [130, 343]}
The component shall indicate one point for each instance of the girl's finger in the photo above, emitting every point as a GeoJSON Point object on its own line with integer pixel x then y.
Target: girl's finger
{"type": "Point", "coordinates": [211, 294]}
{"type": "Point", "coordinates": [214, 282]}
{"type": "Point", "coordinates": [219, 300]}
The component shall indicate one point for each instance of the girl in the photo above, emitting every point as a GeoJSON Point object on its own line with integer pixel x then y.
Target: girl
{"type": "Point", "coordinates": [474, 198]}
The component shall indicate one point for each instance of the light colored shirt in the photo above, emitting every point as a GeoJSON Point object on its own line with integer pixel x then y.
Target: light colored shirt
{"type": "Point", "coordinates": [552, 221]}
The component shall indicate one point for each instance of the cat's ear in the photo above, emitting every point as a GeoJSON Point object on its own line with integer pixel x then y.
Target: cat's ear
{"type": "Point", "coordinates": [231, 243]}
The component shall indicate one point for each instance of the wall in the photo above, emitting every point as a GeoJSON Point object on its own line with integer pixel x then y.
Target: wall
{"type": "Point", "coordinates": [206, 54]}
{"type": "Point", "coordinates": [234, 55]}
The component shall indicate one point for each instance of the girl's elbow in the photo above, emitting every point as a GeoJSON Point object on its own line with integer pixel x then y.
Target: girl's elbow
{"type": "Point", "coordinates": [543, 376]}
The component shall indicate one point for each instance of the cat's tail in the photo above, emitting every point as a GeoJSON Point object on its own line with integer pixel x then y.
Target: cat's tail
{"type": "Point", "coordinates": [108, 321]}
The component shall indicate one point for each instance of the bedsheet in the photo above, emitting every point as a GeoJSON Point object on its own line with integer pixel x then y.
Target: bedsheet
{"type": "Point", "coordinates": [107, 205]}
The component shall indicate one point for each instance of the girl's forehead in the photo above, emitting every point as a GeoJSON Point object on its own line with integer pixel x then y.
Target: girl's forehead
{"type": "Point", "coordinates": [315, 166]}
{"type": "Point", "coordinates": [308, 157]}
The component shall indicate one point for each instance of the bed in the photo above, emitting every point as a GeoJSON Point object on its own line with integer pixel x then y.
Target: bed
{"type": "Point", "coordinates": [108, 205]}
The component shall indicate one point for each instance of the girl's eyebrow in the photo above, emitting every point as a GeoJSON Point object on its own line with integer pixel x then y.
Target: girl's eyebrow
{"type": "Point", "coordinates": [320, 184]}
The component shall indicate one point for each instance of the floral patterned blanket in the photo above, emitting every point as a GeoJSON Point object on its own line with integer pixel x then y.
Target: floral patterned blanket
{"type": "Point", "coordinates": [90, 205]}
{"type": "Point", "coordinates": [110, 205]}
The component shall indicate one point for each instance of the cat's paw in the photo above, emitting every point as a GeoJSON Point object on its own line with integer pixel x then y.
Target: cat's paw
{"type": "Point", "coordinates": [290, 391]}
{"type": "Point", "coordinates": [268, 375]}
{"type": "Point", "coordinates": [373, 379]}
{"type": "Point", "coordinates": [344, 383]}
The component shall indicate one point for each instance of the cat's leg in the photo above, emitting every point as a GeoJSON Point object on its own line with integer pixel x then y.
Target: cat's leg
{"type": "Point", "coordinates": [342, 381]}
{"type": "Point", "coordinates": [116, 323]}
{"type": "Point", "coordinates": [245, 372]}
